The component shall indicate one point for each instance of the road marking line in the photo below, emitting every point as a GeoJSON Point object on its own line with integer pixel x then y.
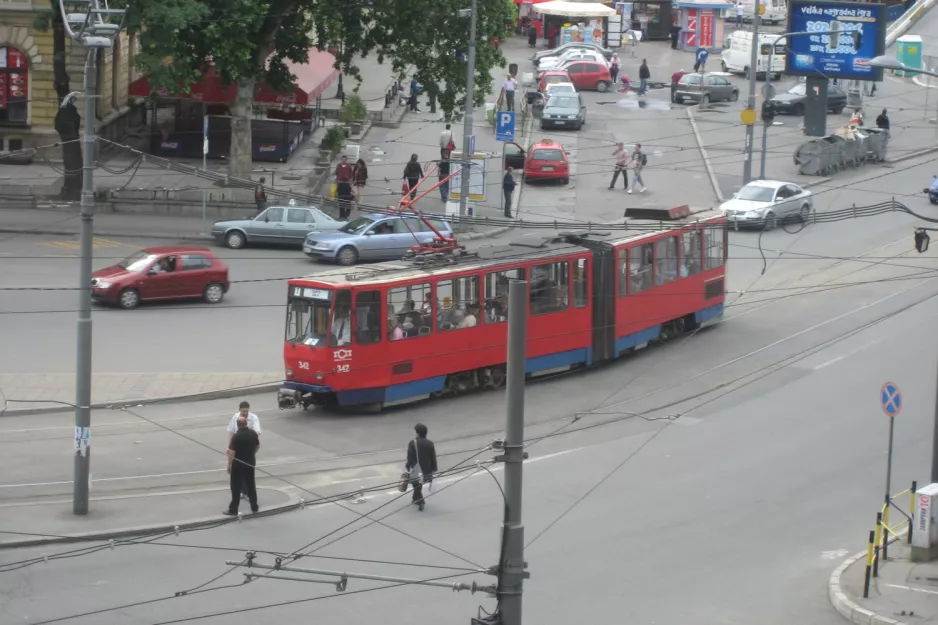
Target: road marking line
{"type": "Point", "coordinates": [847, 355]}
{"type": "Point", "coordinates": [931, 592]}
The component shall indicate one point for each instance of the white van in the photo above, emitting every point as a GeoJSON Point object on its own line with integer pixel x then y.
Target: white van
{"type": "Point", "coordinates": [737, 54]}
{"type": "Point", "coordinates": [776, 11]}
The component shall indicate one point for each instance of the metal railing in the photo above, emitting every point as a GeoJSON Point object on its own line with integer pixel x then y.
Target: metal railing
{"type": "Point", "coordinates": [877, 549]}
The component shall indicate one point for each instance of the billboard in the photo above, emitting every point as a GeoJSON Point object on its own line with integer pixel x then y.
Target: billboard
{"type": "Point", "coordinates": [815, 54]}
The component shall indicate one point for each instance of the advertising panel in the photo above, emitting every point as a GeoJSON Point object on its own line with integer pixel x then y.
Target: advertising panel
{"type": "Point", "coordinates": [848, 58]}
{"type": "Point", "coordinates": [706, 28]}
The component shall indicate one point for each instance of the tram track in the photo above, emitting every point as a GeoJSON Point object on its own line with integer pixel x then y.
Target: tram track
{"type": "Point", "coordinates": [375, 460]}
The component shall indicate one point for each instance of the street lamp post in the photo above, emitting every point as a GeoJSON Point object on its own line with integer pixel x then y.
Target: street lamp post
{"type": "Point", "coordinates": [768, 95]}
{"type": "Point", "coordinates": [886, 62]}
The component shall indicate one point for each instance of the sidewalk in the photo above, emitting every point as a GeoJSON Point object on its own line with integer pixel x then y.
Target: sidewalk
{"type": "Point", "coordinates": [905, 593]}
{"type": "Point", "coordinates": [55, 392]}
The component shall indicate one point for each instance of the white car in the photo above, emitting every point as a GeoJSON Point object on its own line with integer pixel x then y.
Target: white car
{"type": "Point", "coordinates": [766, 203]}
{"type": "Point", "coordinates": [555, 62]}
{"type": "Point", "coordinates": [559, 87]}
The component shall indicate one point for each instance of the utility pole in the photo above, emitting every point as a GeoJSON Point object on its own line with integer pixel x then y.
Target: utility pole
{"type": "Point", "coordinates": [467, 119]}
{"type": "Point", "coordinates": [88, 24]}
{"type": "Point", "coordinates": [512, 567]}
{"type": "Point", "coordinates": [753, 73]}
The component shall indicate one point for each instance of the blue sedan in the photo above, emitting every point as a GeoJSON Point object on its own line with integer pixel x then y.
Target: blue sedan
{"type": "Point", "coordinates": [377, 237]}
{"type": "Point", "coordinates": [932, 191]}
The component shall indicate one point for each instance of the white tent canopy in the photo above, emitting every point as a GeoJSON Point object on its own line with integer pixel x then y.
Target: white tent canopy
{"type": "Point", "coordinates": [564, 8]}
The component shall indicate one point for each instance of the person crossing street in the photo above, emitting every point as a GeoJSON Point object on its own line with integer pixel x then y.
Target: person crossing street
{"type": "Point", "coordinates": [421, 463]}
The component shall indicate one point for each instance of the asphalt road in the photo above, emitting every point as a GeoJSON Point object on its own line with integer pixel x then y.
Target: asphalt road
{"type": "Point", "coordinates": [736, 512]}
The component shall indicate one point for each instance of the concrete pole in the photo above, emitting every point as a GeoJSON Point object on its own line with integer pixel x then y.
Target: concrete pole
{"type": "Point", "coordinates": [467, 119]}
{"type": "Point", "coordinates": [511, 580]}
{"type": "Point", "coordinates": [753, 73]}
{"type": "Point", "coordinates": [83, 368]}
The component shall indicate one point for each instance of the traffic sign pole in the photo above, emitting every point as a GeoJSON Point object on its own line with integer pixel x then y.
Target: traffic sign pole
{"type": "Point", "coordinates": [891, 400]}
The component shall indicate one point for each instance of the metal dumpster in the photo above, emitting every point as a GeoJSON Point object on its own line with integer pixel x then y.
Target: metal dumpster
{"type": "Point", "coordinates": [877, 141]}
{"type": "Point", "coordinates": [820, 157]}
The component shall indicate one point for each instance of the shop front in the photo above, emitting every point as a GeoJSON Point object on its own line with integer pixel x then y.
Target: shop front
{"type": "Point", "coordinates": [282, 121]}
{"type": "Point", "coordinates": [566, 22]}
{"type": "Point", "coordinates": [702, 24]}
{"type": "Point", "coordinates": [653, 19]}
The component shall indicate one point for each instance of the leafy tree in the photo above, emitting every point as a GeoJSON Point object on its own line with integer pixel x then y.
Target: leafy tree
{"type": "Point", "coordinates": [250, 41]}
{"type": "Point", "coordinates": [67, 120]}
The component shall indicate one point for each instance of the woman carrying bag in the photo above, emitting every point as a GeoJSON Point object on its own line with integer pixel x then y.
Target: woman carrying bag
{"type": "Point", "coordinates": [421, 463]}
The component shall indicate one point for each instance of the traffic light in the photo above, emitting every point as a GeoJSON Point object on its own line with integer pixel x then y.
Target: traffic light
{"type": "Point", "coordinates": [768, 112]}
{"type": "Point", "coordinates": [921, 241]}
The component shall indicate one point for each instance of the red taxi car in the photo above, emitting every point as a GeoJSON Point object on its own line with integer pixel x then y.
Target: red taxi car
{"type": "Point", "coordinates": [544, 160]}
{"type": "Point", "coordinates": [162, 273]}
{"type": "Point", "coordinates": [551, 76]}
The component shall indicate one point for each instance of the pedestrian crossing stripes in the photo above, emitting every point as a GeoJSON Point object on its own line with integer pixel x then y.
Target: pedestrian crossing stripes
{"type": "Point", "coordinates": [97, 243]}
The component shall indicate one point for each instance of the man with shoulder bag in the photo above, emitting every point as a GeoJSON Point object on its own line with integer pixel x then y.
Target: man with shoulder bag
{"type": "Point", "coordinates": [421, 463]}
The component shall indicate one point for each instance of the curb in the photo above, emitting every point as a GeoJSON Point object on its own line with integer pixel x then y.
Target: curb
{"type": "Point", "coordinates": [846, 606]}
{"type": "Point", "coordinates": [906, 157]}
{"type": "Point", "coordinates": [706, 157]}
{"type": "Point", "coordinates": [144, 530]}
{"type": "Point", "coordinates": [223, 393]}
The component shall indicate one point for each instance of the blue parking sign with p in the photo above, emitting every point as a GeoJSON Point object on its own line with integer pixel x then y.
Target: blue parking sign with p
{"type": "Point", "coordinates": [505, 125]}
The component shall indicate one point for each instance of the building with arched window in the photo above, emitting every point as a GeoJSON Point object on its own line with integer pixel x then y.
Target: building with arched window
{"type": "Point", "coordinates": [28, 99]}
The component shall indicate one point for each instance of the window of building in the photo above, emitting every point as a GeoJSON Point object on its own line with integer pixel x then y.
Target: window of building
{"type": "Point", "coordinates": [666, 260]}
{"type": "Point", "coordinates": [550, 288]}
{"type": "Point", "coordinates": [457, 303]}
{"type": "Point", "coordinates": [14, 87]}
{"type": "Point", "coordinates": [581, 289]}
{"type": "Point", "coordinates": [623, 272]}
{"type": "Point", "coordinates": [496, 294]}
{"type": "Point", "coordinates": [641, 259]}
{"type": "Point", "coordinates": [368, 317]}
{"type": "Point", "coordinates": [692, 253]}
{"type": "Point", "coordinates": [407, 315]}
{"type": "Point", "coordinates": [714, 238]}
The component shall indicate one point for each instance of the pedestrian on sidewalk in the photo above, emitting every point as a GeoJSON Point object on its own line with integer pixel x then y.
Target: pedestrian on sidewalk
{"type": "Point", "coordinates": [643, 75]}
{"type": "Point", "coordinates": [359, 179]}
{"type": "Point", "coordinates": [444, 183]}
{"type": "Point", "coordinates": [421, 463]}
{"type": "Point", "coordinates": [510, 85]}
{"type": "Point", "coordinates": [882, 122]}
{"type": "Point", "coordinates": [244, 410]}
{"type": "Point", "coordinates": [614, 67]}
{"type": "Point", "coordinates": [260, 195]}
{"type": "Point", "coordinates": [675, 79]}
{"type": "Point", "coordinates": [700, 60]}
{"type": "Point", "coordinates": [343, 183]}
{"type": "Point", "coordinates": [508, 187]}
{"type": "Point", "coordinates": [639, 160]}
{"type": "Point", "coordinates": [621, 155]}
{"type": "Point", "coordinates": [413, 172]}
{"type": "Point", "coordinates": [414, 92]}
{"type": "Point", "coordinates": [242, 457]}
{"type": "Point", "coordinates": [675, 35]}
{"type": "Point", "coordinates": [446, 137]}
{"type": "Point", "coordinates": [856, 120]}
{"type": "Point", "coordinates": [532, 37]}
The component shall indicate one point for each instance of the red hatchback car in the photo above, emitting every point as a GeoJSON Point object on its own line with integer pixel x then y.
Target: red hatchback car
{"type": "Point", "coordinates": [547, 160]}
{"type": "Point", "coordinates": [551, 76]}
{"type": "Point", "coordinates": [162, 273]}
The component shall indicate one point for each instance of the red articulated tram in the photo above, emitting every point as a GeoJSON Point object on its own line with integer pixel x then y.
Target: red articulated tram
{"type": "Point", "coordinates": [435, 324]}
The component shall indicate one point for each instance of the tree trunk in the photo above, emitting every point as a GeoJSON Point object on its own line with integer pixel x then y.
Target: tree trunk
{"type": "Point", "coordinates": [240, 160]}
{"type": "Point", "coordinates": [67, 120]}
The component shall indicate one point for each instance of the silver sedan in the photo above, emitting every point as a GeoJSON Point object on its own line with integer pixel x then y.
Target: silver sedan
{"type": "Point", "coordinates": [766, 203]}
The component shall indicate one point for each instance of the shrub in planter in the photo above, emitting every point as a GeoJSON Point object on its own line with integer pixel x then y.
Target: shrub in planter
{"type": "Point", "coordinates": [353, 111]}
{"type": "Point", "coordinates": [334, 139]}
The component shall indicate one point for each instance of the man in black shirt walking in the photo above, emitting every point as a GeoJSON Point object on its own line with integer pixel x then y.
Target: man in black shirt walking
{"type": "Point", "coordinates": [421, 462]}
{"type": "Point", "coordinates": [242, 453]}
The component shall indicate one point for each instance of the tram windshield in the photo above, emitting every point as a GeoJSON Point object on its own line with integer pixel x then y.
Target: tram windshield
{"type": "Point", "coordinates": [308, 314]}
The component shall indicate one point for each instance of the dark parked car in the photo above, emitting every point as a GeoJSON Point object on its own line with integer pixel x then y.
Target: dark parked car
{"type": "Point", "coordinates": [592, 47]}
{"type": "Point", "coordinates": [162, 273]}
{"type": "Point", "coordinates": [793, 100]}
{"type": "Point", "coordinates": [706, 88]}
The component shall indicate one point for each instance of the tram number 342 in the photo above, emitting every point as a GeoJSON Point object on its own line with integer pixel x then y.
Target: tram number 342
{"type": "Point", "coordinates": [342, 368]}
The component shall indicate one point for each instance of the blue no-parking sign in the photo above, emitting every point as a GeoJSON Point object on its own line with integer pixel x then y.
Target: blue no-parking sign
{"type": "Point", "coordinates": [505, 125]}
{"type": "Point", "coordinates": [891, 399]}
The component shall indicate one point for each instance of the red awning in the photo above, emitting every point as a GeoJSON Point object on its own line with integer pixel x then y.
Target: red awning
{"type": "Point", "coordinates": [312, 78]}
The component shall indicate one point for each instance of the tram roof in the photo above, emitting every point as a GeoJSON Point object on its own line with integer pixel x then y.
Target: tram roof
{"type": "Point", "coordinates": [532, 247]}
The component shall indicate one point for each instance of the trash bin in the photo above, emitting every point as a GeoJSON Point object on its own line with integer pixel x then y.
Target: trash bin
{"type": "Point", "coordinates": [909, 52]}
{"type": "Point", "coordinates": [490, 113]}
{"type": "Point", "coordinates": [820, 157]}
{"type": "Point", "coordinates": [877, 141]}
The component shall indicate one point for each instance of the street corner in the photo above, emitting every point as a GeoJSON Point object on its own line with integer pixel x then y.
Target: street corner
{"type": "Point", "coordinates": [899, 592]}
{"type": "Point", "coordinates": [31, 522]}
